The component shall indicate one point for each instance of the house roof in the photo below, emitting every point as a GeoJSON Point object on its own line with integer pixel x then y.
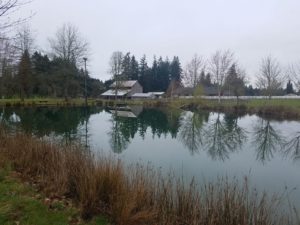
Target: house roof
{"type": "Point", "coordinates": [125, 83]}
{"type": "Point", "coordinates": [113, 93]}
{"type": "Point", "coordinates": [157, 93]}
{"type": "Point", "coordinates": [143, 95]}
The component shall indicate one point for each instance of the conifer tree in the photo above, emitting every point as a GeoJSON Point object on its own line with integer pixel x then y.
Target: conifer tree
{"type": "Point", "coordinates": [134, 69]}
{"type": "Point", "coordinates": [25, 75]}
{"type": "Point", "coordinates": [176, 70]}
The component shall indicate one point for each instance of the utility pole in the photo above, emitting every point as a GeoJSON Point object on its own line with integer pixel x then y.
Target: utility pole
{"type": "Point", "coordinates": [85, 75]}
{"type": "Point", "coordinates": [85, 90]}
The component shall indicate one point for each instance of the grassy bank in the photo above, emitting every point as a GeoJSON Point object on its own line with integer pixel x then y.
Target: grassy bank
{"type": "Point", "coordinates": [47, 102]}
{"type": "Point", "coordinates": [133, 195]}
{"type": "Point", "coordinates": [274, 108]}
{"type": "Point", "coordinates": [20, 203]}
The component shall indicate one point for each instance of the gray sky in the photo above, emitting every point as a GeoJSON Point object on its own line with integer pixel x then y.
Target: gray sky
{"type": "Point", "coordinates": [251, 28]}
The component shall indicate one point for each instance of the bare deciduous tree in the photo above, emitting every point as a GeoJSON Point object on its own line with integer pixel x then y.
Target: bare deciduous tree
{"type": "Point", "coordinates": [7, 8]}
{"type": "Point", "coordinates": [191, 75]}
{"type": "Point", "coordinates": [7, 55]}
{"type": "Point", "coordinates": [69, 45]}
{"type": "Point", "coordinates": [270, 76]}
{"type": "Point", "coordinates": [116, 69]}
{"type": "Point", "coordinates": [219, 64]}
{"type": "Point", "coordinates": [24, 40]}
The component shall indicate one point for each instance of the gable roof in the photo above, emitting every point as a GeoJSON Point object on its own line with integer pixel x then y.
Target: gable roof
{"type": "Point", "coordinates": [125, 84]}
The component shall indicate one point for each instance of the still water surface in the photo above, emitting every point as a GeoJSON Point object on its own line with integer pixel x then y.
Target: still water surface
{"type": "Point", "coordinates": [203, 145]}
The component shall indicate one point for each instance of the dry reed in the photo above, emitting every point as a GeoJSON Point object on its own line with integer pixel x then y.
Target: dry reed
{"type": "Point", "coordinates": [134, 195]}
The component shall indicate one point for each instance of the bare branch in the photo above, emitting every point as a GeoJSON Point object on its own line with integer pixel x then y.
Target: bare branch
{"type": "Point", "coordinates": [7, 9]}
{"type": "Point", "coordinates": [218, 67]}
{"type": "Point", "coordinates": [191, 75]}
{"type": "Point", "coordinates": [69, 45]}
{"type": "Point", "coordinates": [270, 76]}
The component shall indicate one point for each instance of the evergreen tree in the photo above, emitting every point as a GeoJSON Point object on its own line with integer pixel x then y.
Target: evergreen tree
{"type": "Point", "coordinates": [176, 70]}
{"type": "Point", "coordinates": [289, 88]}
{"type": "Point", "coordinates": [126, 67]}
{"type": "Point", "coordinates": [134, 69]}
{"type": "Point", "coordinates": [154, 76]}
{"type": "Point", "coordinates": [202, 78]}
{"type": "Point", "coordinates": [41, 69]}
{"type": "Point", "coordinates": [250, 91]}
{"type": "Point", "coordinates": [208, 80]}
{"type": "Point", "coordinates": [144, 74]}
{"type": "Point", "coordinates": [234, 83]}
{"type": "Point", "coordinates": [163, 75]}
{"type": "Point", "coordinates": [143, 67]}
{"type": "Point", "coordinates": [25, 75]}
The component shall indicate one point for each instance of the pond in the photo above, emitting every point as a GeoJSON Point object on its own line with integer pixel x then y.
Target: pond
{"type": "Point", "coordinates": [203, 145]}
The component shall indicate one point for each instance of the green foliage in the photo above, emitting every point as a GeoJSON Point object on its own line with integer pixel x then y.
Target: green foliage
{"type": "Point", "coordinates": [39, 76]}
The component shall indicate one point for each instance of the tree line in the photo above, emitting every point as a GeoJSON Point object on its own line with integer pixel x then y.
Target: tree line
{"type": "Point", "coordinates": [154, 77]}
{"type": "Point", "coordinates": [26, 72]}
{"type": "Point", "coordinates": [221, 71]}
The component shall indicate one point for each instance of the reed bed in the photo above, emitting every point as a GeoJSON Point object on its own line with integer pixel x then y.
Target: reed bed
{"type": "Point", "coordinates": [134, 194]}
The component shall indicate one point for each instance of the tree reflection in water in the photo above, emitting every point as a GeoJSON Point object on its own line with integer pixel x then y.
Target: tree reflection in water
{"type": "Point", "coordinates": [124, 128]}
{"type": "Point", "coordinates": [223, 137]}
{"type": "Point", "coordinates": [219, 135]}
{"type": "Point", "coordinates": [191, 130]}
{"type": "Point", "coordinates": [65, 124]}
{"type": "Point", "coordinates": [118, 141]}
{"type": "Point", "coordinates": [267, 140]}
{"type": "Point", "coordinates": [292, 148]}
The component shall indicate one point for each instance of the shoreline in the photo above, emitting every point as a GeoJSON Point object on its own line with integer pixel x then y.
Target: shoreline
{"type": "Point", "coordinates": [277, 108]}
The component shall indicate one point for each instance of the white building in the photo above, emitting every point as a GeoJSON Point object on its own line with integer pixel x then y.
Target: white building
{"type": "Point", "coordinates": [125, 90]}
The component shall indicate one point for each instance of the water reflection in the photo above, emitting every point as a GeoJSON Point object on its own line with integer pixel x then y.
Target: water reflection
{"type": "Point", "coordinates": [119, 137]}
{"type": "Point", "coordinates": [191, 130]}
{"type": "Point", "coordinates": [224, 136]}
{"type": "Point", "coordinates": [69, 124]}
{"type": "Point", "coordinates": [124, 126]}
{"type": "Point", "coordinates": [267, 140]}
{"type": "Point", "coordinates": [219, 135]}
{"type": "Point", "coordinates": [292, 148]}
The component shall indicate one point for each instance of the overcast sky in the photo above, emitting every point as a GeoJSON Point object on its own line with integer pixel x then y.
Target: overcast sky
{"type": "Point", "coordinates": [252, 29]}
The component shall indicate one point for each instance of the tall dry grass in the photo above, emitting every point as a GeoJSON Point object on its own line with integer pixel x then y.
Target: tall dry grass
{"type": "Point", "coordinates": [136, 194]}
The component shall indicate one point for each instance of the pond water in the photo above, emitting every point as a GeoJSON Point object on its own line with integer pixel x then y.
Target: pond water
{"type": "Point", "coordinates": [204, 145]}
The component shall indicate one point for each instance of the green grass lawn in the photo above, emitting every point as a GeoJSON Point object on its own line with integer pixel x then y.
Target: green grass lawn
{"type": "Point", "coordinates": [20, 204]}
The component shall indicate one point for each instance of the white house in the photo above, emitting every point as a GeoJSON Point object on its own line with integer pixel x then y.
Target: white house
{"type": "Point", "coordinates": [125, 90]}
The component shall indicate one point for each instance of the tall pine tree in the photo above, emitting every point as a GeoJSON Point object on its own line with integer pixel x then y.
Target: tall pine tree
{"type": "Point", "coordinates": [25, 74]}
{"type": "Point", "coordinates": [134, 69]}
{"type": "Point", "coordinates": [176, 70]}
